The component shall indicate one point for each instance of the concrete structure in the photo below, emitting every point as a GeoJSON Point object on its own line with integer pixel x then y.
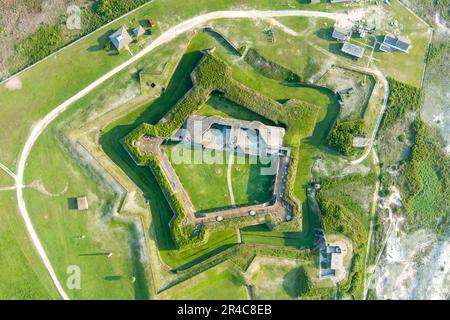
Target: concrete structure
{"type": "Point", "coordinates": [360, 142]}
{"type": "Point", "coordinates": [353, 50]}
{"type": "Point", "coordinates": [138, 31]}
{"type": "Point", "coordinates": [82, 203]}
{"type": "Point", "coordinates": [243, 137]}
{"type": "Point", "coordinates": [392, 43]}
{"type": "Point", "coordinates": [121, 38]}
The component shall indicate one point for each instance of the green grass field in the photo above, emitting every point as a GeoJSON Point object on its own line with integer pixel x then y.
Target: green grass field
{"type": "Point", "coordinates": [219, 283]}
{"type": "Point", "coordinates": [22, 275]}
{"type": "Point", "coordinates": [274, 279]}
{"type": "Point", "coordinates": [72, 69]}
{"type": "Point", "coordinates": [60, 225]}
{"type": "Point", "coordinates": [407, 68]}
{"type": "Point", "coordinates": [206, 184]}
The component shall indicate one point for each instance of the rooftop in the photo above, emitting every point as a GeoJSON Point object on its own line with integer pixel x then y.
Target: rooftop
{"type": "Point", "coordinates": [353, 49]}
{"type": "Point", "coordinates": [121, 38]}
{"type": "Point", "coordinates": [248, 137]}
{"type": "Point", "coordinates": [82, 203]}
{"type": "Point", "coordinates": [398, 43]}
{"type": "Point", "coordinates": [138, 31]}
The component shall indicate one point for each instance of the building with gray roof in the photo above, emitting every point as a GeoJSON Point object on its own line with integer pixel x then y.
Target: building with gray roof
{"type": "Point", "coordinates": [244, 137]}
{"type": "Point", "coordinates": [121, 38]}
{"type": "Point", "coordinates": [391, 43]}
{"type": "Point", "coordinates": [352, 49]}
{"type": "Point", "coordinates": [138, 31]}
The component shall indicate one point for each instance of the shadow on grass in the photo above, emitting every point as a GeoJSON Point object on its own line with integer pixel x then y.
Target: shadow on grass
{"type": "Point", "coordinates": [204, 256]}
{"type": "Point", "coordinates": [112, 278]}
{"type": "Point", "coordinates": [72, 203]}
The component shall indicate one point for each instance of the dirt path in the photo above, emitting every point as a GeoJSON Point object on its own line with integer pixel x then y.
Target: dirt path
{"type": "Point", "coordinates": [6, 169]}
{"type": "Point", "coordinates": [373, 212]}
{"type": "Point", "coordinates": [230, 185]}
{"type": "Point", "coordinates": [165, 37]}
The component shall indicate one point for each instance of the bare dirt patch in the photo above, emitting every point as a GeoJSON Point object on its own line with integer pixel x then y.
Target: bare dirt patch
{"type": "Point", "coordinates": [39, 186]}
{"type": "Point", "coordinates": [14, 84]}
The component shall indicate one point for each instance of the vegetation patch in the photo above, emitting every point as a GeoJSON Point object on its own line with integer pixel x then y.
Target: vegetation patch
{"type": "Point", "coordinates": [341, 214]}
{"type": "Point", "coordinates": [341, 138]}
{"type": "Point", "coordinates": [41, 43]}
{"type": "Point", "coordinates": [424, 179]}
{"type": "Point", "coordinates": [403, 97]}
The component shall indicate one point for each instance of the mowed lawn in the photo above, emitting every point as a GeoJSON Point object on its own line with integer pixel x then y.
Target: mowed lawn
{"type": "Point", "coordinates": [274, 278]}
{"type": "Point", "coordinates": [221, 282]}
{"type": "Point", "coordinates": [23, 275]}
{"type": "Point", "coordinates": [405, 67]}
{"type": "Point", "coordinates": [207, 185]}
{"type": "Point", "coordinates": [82, 238]}
{"type": "Point", "coordinates": [251, 183]}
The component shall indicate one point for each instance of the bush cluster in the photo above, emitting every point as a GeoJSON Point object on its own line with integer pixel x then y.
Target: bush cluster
{"type": "Point", "coordinates": [402, 98]}
{"type": "Point", "coordinates": [46, 40]}
{"type": "Point", "coordinates": [341, 137]}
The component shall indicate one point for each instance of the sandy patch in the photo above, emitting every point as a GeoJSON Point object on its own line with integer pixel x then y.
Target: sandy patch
{"type": "Point", "coordinates": [13, 84]}
{"type": "Point", "coordinates": [39, 186]}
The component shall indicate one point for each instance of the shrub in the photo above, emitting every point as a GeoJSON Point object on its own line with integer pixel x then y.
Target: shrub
{"type": "Point", "coordinates": [341, 137]}
{"type": "Point", "coordinates": [41, 43]}
{"type": "Point", "coordinates": [110, 9]}
{"type": "Point", "coordinates": [402, 97]}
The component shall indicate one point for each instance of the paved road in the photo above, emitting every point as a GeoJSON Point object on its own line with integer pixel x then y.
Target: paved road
{"type": "Point", "coordinates": [165, 37]}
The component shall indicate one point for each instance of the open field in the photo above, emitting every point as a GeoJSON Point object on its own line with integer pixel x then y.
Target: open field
{"type": "Point", "coordinates": [206, 184]}
{"type": "Point", "coordinates": [274, 278]}
{"type": "Point", "coordinates": [73, 68]}
{"type": "Point", "coordinates": [5, 179]}
{"type": "Point", "coordinates": [22, 276]}
{"type": "Point", "coordinates": [60, 225]}
{"type": "Point", "coordinates": [222, 282]}
{"type": "Point", "coordinates": [407, 68]}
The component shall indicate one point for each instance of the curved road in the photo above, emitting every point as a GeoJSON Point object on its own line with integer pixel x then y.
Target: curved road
{"type": "Point", "coordinates": [165, 37]}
